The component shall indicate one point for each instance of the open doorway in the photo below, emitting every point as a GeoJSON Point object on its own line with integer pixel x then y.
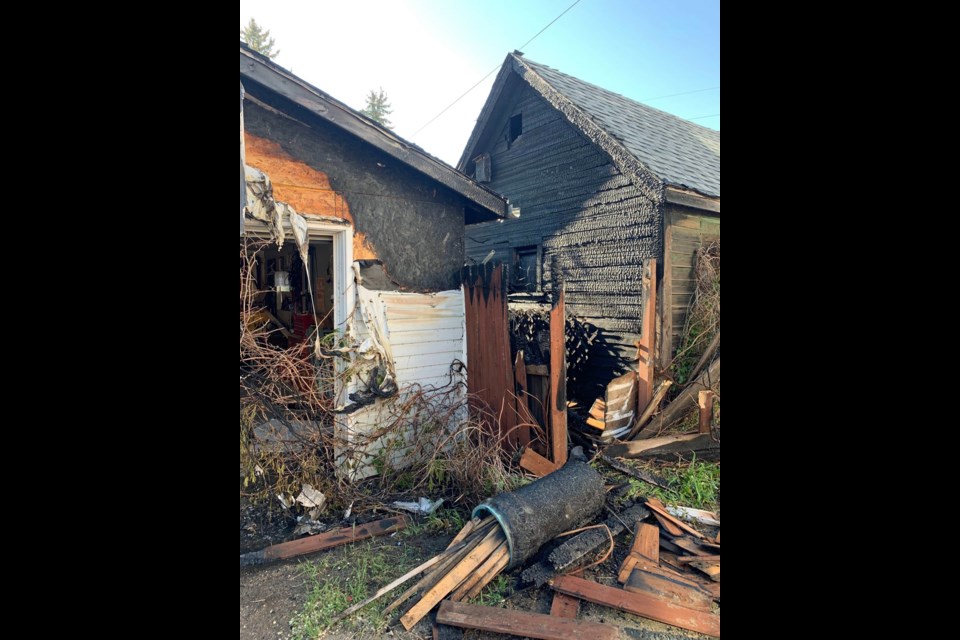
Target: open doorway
{"type": "Point", "coordinates": [297, 299]}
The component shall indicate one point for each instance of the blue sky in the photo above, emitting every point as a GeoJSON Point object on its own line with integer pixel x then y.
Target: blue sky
{"type": "Point", "coordinates": [426, 53]}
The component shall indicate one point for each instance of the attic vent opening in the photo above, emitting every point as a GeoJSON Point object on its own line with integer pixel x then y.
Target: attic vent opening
{"type": "Point", "coordinates": [482, 165]}
{"type": "Point", "coordinates": [516, 128]}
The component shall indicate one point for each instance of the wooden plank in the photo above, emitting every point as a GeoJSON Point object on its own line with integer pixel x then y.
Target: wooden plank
{"type": "Point", "coordinates": [481, 572]}
{"type": "Point", "coordinates": [626, 568]}
{"type": "Point", "coordinates": [596, 424]}
{"type": "Point", "coordinates": [668, 525]}
{"type": "Point", "coordinates": [705, 402]}
{"type": "Point", "coordinates": [324, 541]}
{"type": "Point", "coordinates": [657, 507]}
{"type": "Point", "coordinates": [705, 358]}
{"type": "Point", "coordinates": [647, 542]}
{"type": "Point", "coordinates": [598, 410]}
{"type": "Point", "coordinates": [678, 408]}
{"type": "Point", "coordinates": [662, 587]}
{"type": "Point", "coordinates": [703, 445]}
{"type": "Point", "coordinates": [522, 623]}
{"type": "Point", "coordinates": [690, 546]}
{"type": "Point", "coordinates": [558, 381]}
{"type": "Point", "coordinates": [500, 563]}
{"type": "Point", "coordinates": [536, 464]}
{"type": "Point", "coordinates": [651, 407]}
{"type": "Point", "coordinates": [703, 558]}
{"type": "Point", "coordinates": [564, 606]}
{"type": "Point", "coordinates": [641, 604]}
{"type": "Point", "coordinates": [526, 419]}
{"type": "Point", "coordinates": [453, 578]}
{"type": "Point", "coordinates": [666, 296]}
{"type": "Point", "coordinates": [479, 534]}
{"type": "Point", "coordinates": [538, 370]}
{"type": "Point", "coordinates": [647, 348]}
{"type": "Point", "coordinates": [635, 447]}
{"type": "Point", "coordinates": [711, 569]}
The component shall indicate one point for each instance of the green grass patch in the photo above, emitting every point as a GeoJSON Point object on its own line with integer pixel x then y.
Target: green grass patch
{"type": "Point", "coordinates": [695, 484]}
{"type": "Point", "coordinates": [495, 593]}
{"type": "Point", "coordinates": [340, 581]}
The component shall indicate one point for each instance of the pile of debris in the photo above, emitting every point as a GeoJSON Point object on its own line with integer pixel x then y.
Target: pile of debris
{"type": "Point", "coordinates": [671, 573]}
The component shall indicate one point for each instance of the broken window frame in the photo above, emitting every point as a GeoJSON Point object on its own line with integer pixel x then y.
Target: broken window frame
{"type": "Point", "coordinates": [519, 283]}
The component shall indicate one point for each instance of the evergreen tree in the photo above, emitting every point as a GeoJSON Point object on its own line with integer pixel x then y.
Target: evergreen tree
{"type": "Point", "coordinates": [378, 107]}
{"type": "Point", "coordinates": [259, 39]}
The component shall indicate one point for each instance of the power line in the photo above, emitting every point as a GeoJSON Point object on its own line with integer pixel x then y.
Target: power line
{"type": "Point", "coordinates": [489, 73]}
{"type": "Point", "coordinates": [716, 115]}
{"type": "Point", "coordinates": [685, 93]}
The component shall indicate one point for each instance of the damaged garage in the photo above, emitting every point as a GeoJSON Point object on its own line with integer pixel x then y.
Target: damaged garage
{"type": "Point", "coordinates": [352, 241]}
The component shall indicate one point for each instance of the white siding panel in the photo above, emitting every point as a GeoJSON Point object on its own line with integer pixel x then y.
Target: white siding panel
{"type": "Point", "coordinates": [424, 336]}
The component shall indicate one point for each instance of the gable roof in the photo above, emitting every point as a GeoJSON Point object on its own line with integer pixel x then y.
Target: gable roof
{"type": "Point", "coordinates": [676, 151]}
{"type": "Point", "coordinates": [260, 69]}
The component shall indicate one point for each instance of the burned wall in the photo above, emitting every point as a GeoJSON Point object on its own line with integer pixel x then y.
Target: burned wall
{"type": "Point", "coordinates": [592, 226]}
{"type": "Point", "coordinates": [407, 220]}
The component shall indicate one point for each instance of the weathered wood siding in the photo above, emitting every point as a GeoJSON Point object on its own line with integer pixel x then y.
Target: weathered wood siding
{"type": "Point", "coordinates": [408, 220]}
{"type": "Point", "coordinates": [687, 229]}
{"type": "Point", "coordinates": [591, 223]}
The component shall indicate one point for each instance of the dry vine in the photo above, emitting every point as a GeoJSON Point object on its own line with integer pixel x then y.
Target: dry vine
{"type": "Point", "coordinates": [422, 441]}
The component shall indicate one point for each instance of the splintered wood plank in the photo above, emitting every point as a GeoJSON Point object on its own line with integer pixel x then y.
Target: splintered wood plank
{"type": "Point", "coordinates": [522, 623]}
{"type": "Point", "coordinates": [641, 604]}
{"type": "Point", "coordinates": [564, 606]}
{"type": "Point", "coordinates": [453, 578]}
{"type": "Point", "coordinates": [558, 381]}
{"type": "Point", "coordinates": [536, 463]}
{"type": "Point", "coordinates": [705, 402]}
{"type": "Point", "coordinates": [699, 559]}
{"type": "Point", "coordinates": [596, 424]}
{"type": "Point", "coordinates": [479, 574]}
{"type": "Point", "coordinates": [710, 568]}
{"type": "Point", "coordinates": [500, 561]}
{"type": "Point", "coordinates": [598, 409]}
{"type": "Point", "coordinates": [647, 346]}
{"type": "Point", "coordinates": [690, 546]}
{"type": "Point", "coordinates": [657, 507]}
{"type": "Point", "coordinates": [668, 526]}
{"type": "Point", "coordinates": [626, 568]}
{"type": "Point", "coordinates": [667, 589]}
{"type": "Point", "coordinates": [647, 542]}
{"type": "Point", "coordinates": [324, 541]}
{"type": "Point", "coordinates": [523, 410]}
{"type": "Point", "coordinates": [629, 449]}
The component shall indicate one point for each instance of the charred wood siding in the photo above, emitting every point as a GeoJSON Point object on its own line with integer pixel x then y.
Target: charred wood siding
{"type": "Point", "coordinates": [594, 227]}
{"type": "Point", "coordinates": [411, 222]}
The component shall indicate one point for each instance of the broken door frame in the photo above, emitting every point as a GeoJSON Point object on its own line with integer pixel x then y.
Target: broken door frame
{"type": "Point", "coordinates": [344, 295]}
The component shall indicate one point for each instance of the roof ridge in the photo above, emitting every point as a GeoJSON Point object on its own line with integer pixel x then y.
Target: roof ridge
{"type": "Point", "coordinates": [535, 64]}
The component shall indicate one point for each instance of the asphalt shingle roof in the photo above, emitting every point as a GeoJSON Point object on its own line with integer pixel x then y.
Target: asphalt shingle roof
{"type": "Point", "coordinates": [678, 151]}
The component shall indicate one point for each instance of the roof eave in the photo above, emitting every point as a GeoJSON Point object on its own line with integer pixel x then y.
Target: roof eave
{"type": "Point", "coordinates": [277, 79]}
